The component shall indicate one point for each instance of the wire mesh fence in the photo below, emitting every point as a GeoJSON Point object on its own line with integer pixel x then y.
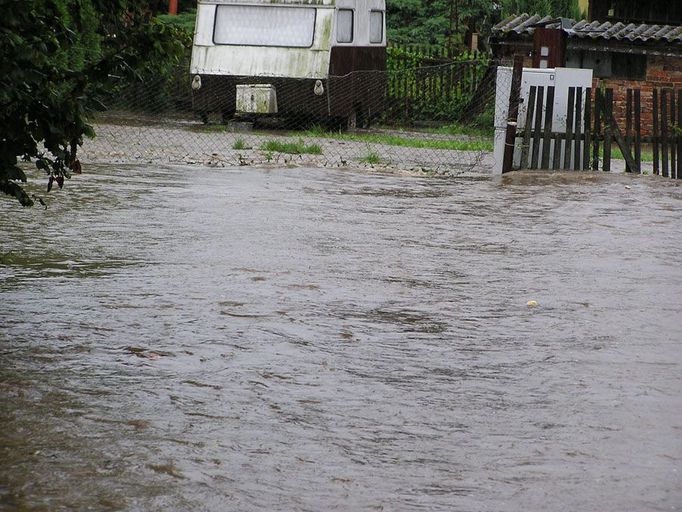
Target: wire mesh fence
{"type": "Point", "coordinates": [436, 118]}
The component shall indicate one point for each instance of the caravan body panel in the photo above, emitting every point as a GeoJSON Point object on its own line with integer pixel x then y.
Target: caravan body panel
{"type": "Point", "coordinates": [221, 58]}
{"type": "Point", "coordinates": [307, 50]}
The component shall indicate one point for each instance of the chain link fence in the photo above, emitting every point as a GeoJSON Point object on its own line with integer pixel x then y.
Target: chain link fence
{"type": "Point", "coordinates": [435, 119]}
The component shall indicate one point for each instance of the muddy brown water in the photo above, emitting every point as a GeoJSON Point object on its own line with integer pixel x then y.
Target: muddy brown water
{"type": "Point", "coordinates": [310, 340]}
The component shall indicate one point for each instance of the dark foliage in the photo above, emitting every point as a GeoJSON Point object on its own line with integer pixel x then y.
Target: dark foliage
{"type": "Point", "coordinates": [59, 60]}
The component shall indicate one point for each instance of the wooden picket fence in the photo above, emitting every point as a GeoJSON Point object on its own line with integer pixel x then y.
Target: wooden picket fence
{"type": "Point", "coordinates": [592, 129]}
{"type": "Point", "coordinates": [667, 132]}
{"type": "Point", "coordinates": [543, 148]}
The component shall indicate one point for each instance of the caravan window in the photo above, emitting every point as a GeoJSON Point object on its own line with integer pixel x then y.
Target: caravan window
{"type": "Point", "coordinates": [376, 26]}
{"type": "Point", "coordinates": [264, 25]}
{"type": "Point", "coordinates": [344, 26]}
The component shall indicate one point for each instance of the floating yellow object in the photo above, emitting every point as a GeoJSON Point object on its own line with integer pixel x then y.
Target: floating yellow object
{"type": "Point", "coordinates": [532, 303]}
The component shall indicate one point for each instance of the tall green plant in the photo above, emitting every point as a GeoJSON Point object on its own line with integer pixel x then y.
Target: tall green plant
{"type": "Point", "coordinates": [442, 22]}
{"type": "Point", "coordinates": [58, 60]}
{"type": "Point", "coordinates": [557, 8]}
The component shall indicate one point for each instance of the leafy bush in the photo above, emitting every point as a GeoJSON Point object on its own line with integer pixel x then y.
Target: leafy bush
{"type": "Point", "coordinates": [59, 60]}
{"type": "Point", "coordinates": [167, 87]}
{"type": "Point", "coordinates": [184, 21]}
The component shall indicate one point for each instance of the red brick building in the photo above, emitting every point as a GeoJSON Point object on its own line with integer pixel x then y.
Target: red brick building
{"type": "Point", "coordinates": [621, 54]}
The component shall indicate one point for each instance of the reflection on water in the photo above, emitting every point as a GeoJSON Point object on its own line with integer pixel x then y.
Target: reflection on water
{"type": "Point", "coordinates": [201, 339]}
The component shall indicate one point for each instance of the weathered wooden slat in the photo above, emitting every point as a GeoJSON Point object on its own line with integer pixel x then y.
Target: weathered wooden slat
{"type": "Point", "coordinates": [598, 108]}
{"type": "Point", "coordinates": [569, 128]}
{"type": "Point", "coordinates": [556, 157]}
{"type": "Point", "coordinates": [525, 145]}
{"type": "Point", "coordinates": [638, 129]}
{"type": "Point", "coordinates": [546, 136]}
{"type": "Point", "coordinates": [434, 72]}
{"type": "Point", "coordinates": [512, 118]}
{"type": "Point", "coordinates": [628, 122]}
{"type": "Point", "coordinates": [679, 134]}
{"type": "Point", "coordinates": [537, 127]}
{"type": "Point", "coordinates": [608, 133]}
{"type": "Point", "coordinates": [577, 131]}
{"type": "Point", "coordinates": [622, 144]}
{"type": "Point", "coordinates": [406, 92]}
{"type": "Point", "coordinates": [664, 132]}
{"type": "Point", "coordinates": [587, 129]}
{"type": "Point", "coordinates": [673, 135]}
{"type": "Point", "coordinates": [655, 129]}
{"type": "Point", "coordinates": [442, 80]}
{"type": "Point", "coordinates": [554, 134]}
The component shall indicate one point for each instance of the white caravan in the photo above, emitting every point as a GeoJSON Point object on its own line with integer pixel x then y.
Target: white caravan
{"type": "Point", "coordinates": [324, 58]}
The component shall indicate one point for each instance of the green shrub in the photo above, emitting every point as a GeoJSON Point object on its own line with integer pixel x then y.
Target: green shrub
{"type": "Point", "coordinates": [184, 21]}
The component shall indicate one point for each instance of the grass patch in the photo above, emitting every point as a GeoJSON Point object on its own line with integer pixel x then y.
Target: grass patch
{"type": "Point", "coordinates": [240, 144]}
{"type": "Point", "coordinates": [459, 129]}
{"type": "Point", "coordinates": [317, 130]}
{"type": "Point", "coordinates": [292, 148]}
{"type": "Point", "coordinates": [617, 154]}
{"type": "Point", "coordinates": [371, 158]}
{"type": "Point", "coordinates": [408, 142]}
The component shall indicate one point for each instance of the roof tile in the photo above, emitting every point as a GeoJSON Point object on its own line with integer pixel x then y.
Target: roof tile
{"type": "Point", "coordinates": [525, 24]}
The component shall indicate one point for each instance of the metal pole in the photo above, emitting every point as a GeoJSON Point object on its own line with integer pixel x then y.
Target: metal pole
{"type": "Point", "coordinates": [512, 117]}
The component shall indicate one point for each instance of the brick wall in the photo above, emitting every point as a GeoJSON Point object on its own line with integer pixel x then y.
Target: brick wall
{"type": "Point", "coordinates": [661, 72]}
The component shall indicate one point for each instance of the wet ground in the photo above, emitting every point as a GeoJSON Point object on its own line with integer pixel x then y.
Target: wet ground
{"type": "Point", "coordinates": [144, 140]}
{"type": "Point", "coordinates": [215, 339]}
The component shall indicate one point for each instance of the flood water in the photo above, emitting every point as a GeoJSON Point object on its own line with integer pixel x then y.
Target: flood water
{"type": "Point", "coordinates": [195, 339]}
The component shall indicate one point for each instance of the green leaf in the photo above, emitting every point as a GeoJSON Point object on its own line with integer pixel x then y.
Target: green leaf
{"type": "Point", "coordinates": [12, 189]}
{"type": "Point", "coordinates": [13, 173]}
{"type": "Point", "coordinates": [88, 131]}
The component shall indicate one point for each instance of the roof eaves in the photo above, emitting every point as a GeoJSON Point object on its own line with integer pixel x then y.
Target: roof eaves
{"type": "Point", "coordinates": [524, 25]}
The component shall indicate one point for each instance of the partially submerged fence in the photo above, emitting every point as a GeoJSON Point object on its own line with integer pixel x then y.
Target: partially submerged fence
{"type": "Point", "coordinates": [667, 130]}
{"type": "Point", "coordinates": [592, 131]}
{"type": "Point", "coordinates": [542, 145]}
{"type": "Point", "coordinates": [154, 122]}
